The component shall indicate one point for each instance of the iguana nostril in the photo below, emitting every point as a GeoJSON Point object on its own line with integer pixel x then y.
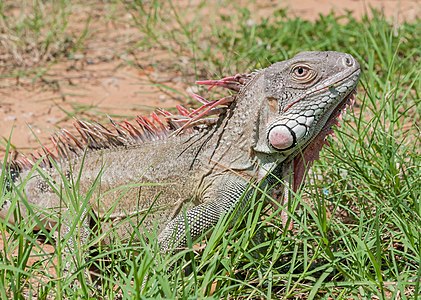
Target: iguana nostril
{"type": "Point", "coordinates": [348, 61]}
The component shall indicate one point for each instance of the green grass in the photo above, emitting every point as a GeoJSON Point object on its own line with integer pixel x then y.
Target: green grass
{"type": "Point", "coordinates": [358, 219]}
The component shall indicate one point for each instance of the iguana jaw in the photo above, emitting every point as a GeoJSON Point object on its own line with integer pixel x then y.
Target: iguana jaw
{"type": "Point", "coordinates": [303, 160]}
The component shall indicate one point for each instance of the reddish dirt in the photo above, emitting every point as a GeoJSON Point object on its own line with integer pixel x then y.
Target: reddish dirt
{"type": "Point", "coordinates": [395, 11]}
{"type": "Point", "coordinates": [36, 111]}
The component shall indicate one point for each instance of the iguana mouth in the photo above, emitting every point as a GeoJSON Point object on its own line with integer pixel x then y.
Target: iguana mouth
{"type": "Point", "coordinates": [304, 159]}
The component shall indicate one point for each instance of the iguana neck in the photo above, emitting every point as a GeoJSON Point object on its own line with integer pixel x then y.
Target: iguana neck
{"type": "Point", "coordinates": [237, 134]}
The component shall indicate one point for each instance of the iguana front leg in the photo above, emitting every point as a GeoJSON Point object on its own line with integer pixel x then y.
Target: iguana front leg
{"type": "Point", "coordinates": [233, 193]}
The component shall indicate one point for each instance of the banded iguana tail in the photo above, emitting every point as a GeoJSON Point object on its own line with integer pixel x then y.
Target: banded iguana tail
{"type": "Point", "coordinates": [273, 125]}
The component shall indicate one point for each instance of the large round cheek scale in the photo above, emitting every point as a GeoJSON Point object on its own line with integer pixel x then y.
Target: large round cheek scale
{"type": "Point", "coordinates": [280, 137]}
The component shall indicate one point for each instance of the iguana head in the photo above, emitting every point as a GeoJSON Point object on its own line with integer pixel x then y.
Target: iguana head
{"type": "Point", "coordinates": [284, 112]}
{"type": "Point", "coordinates": [308, 92]}
{"type": "Point", "coordinates": [305, 95]}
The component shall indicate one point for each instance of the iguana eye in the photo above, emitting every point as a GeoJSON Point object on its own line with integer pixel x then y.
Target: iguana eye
{"type": "Point", "coordinates": [302, 73]}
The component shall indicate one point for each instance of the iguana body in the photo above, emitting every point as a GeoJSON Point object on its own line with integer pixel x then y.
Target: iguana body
{"type": "Point", "coordinates": [278, 119]}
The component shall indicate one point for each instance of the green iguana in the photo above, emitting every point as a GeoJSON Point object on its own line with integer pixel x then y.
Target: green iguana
{"type": "Point", "coordinates": [272, 126]}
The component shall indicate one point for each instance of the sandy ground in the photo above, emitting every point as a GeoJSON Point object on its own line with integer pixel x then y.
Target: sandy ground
{"type": "Point", "coordinates": [99, 81]}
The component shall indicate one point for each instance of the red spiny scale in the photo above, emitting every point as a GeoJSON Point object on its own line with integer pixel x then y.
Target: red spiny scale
{"type": "Point", "coordinates": [102, 129]}
{"type": "Point", "coordinates": [49, 154]}
{"type": "Point", "coordinates": [14, 165]}
{"type": "Point", "coordinates": [17, 164]}
{"type": "Point", "coordinates": [67, 142]}
{"type": "Point", "coordinates": [244, 78]}
{"type": "Point", "coordinates": [212, 105]}
{"type": "Point", "coordinates": [82, 124]}
{"type": "Point", "coordinates": [147, 130]}
{"type": "Point", "coordinates": [123, 136]}
{"type": "Point", "coordinates": [90, 136]}
{"type": "Point", "coordinates": [53, 140]}
{"type": "Point", "coordinates": [100, 132]}
{"type": "Point", "coordinates": [144, 122]}
{"type": "Point", "coordinates": [177, 120]}
{"type": "Point", "coordinates": [46, 162]}
{"type": "Point", "coordinates": [152, 125]}
{"type": "Point", "coordinates": [35, 157]}
{"type": "Point", "coordinates": [63, 146]}
{"type": "Point", "coordinates": [57, 144]}
{"type": "Point", "coordinates": [158, 126]}
{"type": "Point", "coordinates": [23, 163]}
{"type": "Point", "coordinates": [231, 82]}
{"type": "Point", "coordinates": [199, 109]}
{"type": "Point", "coordinates": [168, 116]}
{"type": "Point", "coordinates": [155, 117]}
{"type": "Point", "coordinates": [39, 157]}
{"type": "Point", "coordinates": [222, 101]}
{"type": "Point", "coordinates": [141, 123]}
{"type": "Point", "coordinates": [164, 112]}
{"type": "Point", "coordinates": [136, 134]}
{"type": "Point", "coordinates": [27, 162]}
{"type": "Point", "coordinates": [216, 111]}
{"type": "Point", "coordinates": [181, 121]}
{"type": "Point", "coordinates": [45, 156]}
{"type": "Point", "coordinates": [173, 125]}
{"type": "Point", "coordinates": [82, 134]}
{"type": "Point", "coordinates": [115, 125]}
{"type": "Point", "coordinates": [92, 141]}
{"type": "Point", "coordinates": [72, 138]}
{"type": "Point", "coordinates": [163, 130]}
{"type": "Point", "coordinates": [205, 105]}
{"type": "Point", "coordinates": [207, 121]}
{"type": "Point", "coordinates": [199, 98]}
{"type": "Point", "coordinates": [182, 110]}
{"type": "Point", "coordinates": [70, 145]}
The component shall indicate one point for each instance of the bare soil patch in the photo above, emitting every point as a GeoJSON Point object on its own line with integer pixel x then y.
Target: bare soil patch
{"type": "Point", "coordinates": [394, 10]}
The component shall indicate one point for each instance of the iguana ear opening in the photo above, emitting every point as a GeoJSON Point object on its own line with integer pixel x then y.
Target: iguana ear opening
{"type": "Point", "coordinates": [273, 104]}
